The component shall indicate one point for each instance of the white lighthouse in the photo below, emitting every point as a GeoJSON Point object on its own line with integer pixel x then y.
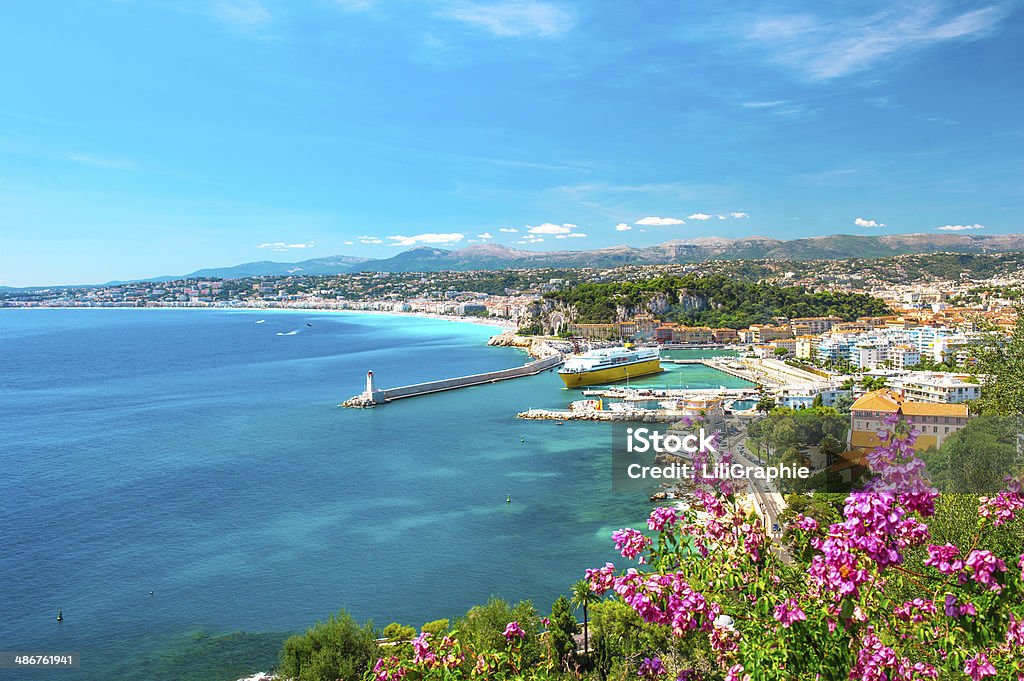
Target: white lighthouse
{"type": "Point", "coordinates": [371, 395]}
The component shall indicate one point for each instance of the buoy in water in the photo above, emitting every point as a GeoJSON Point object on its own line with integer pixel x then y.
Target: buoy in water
{"type": "Point", "coordinates": [60, 615]}
{"type": "Point", "coordinates": [508, 499]}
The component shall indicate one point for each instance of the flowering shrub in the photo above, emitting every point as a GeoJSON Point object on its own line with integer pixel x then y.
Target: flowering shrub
{"type": "Point", "coordinates": [445, 660]}
{"type": "Point", "coordinates": [877, 599]}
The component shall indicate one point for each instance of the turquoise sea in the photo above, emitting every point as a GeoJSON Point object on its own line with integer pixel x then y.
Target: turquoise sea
{"type": "Point", "coordinates": [182, 484]}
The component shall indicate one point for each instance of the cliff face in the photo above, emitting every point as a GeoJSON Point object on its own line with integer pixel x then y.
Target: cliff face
{"type": "Point", "coordinates": [661, 303]}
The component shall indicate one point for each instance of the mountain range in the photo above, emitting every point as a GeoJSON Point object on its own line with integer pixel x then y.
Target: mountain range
{"type": "Point", "coordinates": [498, 257]}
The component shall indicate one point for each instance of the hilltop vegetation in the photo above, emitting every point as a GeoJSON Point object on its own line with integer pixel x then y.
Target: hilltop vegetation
{"type": "Point", "coordinates": [714, 300]}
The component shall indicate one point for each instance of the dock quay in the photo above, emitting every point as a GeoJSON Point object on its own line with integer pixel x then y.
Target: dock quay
{"type": "Point", "coordinates": [636, 415]}
{"type": "Point", "coordinates": [648, 394]}
{"type": "Point", "coordinates": [373, 396]}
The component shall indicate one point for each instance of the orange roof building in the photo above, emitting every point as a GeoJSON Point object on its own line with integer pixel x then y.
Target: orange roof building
{"type": "Point", "coordinates": [935, 421]}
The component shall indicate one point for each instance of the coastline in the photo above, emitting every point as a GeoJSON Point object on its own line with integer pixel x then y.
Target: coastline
{"type": "Point", "coordinates": [496, 322]}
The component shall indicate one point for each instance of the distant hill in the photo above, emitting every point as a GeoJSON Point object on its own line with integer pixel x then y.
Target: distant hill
{"type": "Point", "coordinates": [498, 257]}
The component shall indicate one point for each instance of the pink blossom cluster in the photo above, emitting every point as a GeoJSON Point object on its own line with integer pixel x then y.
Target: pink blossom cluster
{"type": "Point", "coordinates": [513, 630]}
{"type": "Point", "coordinates": [661, 518]}
{"type": "Point", "coordinates": [944, 559]}
{"type": "Point", "coordinates": [876, 530]}
{"type": "Point", "coordinates": [1002, 508]}
{"type": "Point", "coordinates": [954, 609]}
{"type": "Point", "coordinates": [389, 669]}
{"type": "Point", "coordinates": [980, 565]}
{"type": "Point", "coordinates": [978, 667]}
{"type": "Point", "coordinates": [661, 599]}
{"type": "Point", "coordinates": [1015, 632]}
{"type": "Point", "coordinates": [445, 655]}
{"type": "Point", "coordinates": [805, 523]}
{"type": "Point", "coordinates": [788, 613]}
{"type": "Point", "coordinates": [984, 565]}
{"type": "Point", "coordinates": [878, 662]}
{"type": "Point", "coordinates": [897, 470]}
{"type": "Point", "coordinates": [651, 668]}
{"type": "Point", "coordinates": [631, 543]}
{"type": "Point", "coordinates": [915, 610]}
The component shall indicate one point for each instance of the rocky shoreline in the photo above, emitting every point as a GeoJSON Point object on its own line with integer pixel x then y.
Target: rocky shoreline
{"type": "Point", "coordinates": [538, 348]}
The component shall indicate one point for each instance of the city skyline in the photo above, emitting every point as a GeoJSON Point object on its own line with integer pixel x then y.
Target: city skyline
{"type": "Point", "coordinates": [149, 138]}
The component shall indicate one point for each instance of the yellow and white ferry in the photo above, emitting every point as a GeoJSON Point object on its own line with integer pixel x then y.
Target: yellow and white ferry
{"type": "Point", "coordinates": [608, 365]}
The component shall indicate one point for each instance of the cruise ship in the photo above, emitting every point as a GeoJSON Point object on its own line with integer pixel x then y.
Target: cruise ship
{"type": "Point", "coordinates": [608, 365]}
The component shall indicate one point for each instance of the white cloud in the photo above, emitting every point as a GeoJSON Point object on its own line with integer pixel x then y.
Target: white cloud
{"type": "Point", "coordinates": [241, 13]}
{"type": "Point", "coordinates": [349, 243]}
{"type": "Point", "coordinates": [622, 227]}
{"type": "Point", "coordinates": [574, 235]}
{"type": "Point", "coordinates": [485, 235]}
{"type": "Point", "coordinates": [514, 18]}
{"type": "Point", "coordinates": [429, 238]}
{"type": "Point", "coordinates": [959, 228]}
{"type": "Point", "coordinates": [549, 228]}
{"type": "Point", "coordinates": [282, 246]}
{"type": "Point", "coordinates": [530, 240]}
{"type": "Point", "coordinates": [822, 48]}
{"type": "Point", "coordinates": [659, 222]}
{"type": "Point", "coordinates": [355, 5]}
{"type": "Point", "coordinates": [370, 240]}
{"type": "Point", "coordinates": [508, 230]}
{"type": "Point", "coordinates": [720, 217]}
{"type": "Point", "coordinates": [861, 222]}
{"type": "Point", "coordinates": [698, 216]}
{"type": "Point", "coordinates": [739, 215]}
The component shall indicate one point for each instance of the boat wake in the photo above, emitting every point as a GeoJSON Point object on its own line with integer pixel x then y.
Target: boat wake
{"type": "Point", "coordinates": [261, 321]}
{"type": "Point", "coordinates": [290, 333]}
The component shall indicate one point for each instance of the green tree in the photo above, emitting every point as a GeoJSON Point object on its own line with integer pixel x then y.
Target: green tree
{"type": "Point", "coordinates": [481, 628]}
{"type": "Point", "coordinates": [582, 597]}
{"type": "Point", "coordinates": [436, 627]}
{"type": "Point", "coordinates": [765, 404]}
{"type": "Point", "coordinates": [339, 648]}
{"type": "Point", "coordinates": [562, 632]}
{"type": "Point", "coordinates": [396, 632]}
{"type": "Point", "coordinates": [998, 361]}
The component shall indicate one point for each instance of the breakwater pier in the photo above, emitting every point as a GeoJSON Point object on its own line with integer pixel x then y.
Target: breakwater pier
{"type": "Point", "coordinates": [373, 396]}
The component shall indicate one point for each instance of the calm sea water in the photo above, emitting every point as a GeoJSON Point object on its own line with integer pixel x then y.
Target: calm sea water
{"type": "Point", "coordinates": [200, 456]}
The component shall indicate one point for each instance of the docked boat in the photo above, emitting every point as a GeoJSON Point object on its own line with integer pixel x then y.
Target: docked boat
{"type": "Point", "coordinates": [609, 365]}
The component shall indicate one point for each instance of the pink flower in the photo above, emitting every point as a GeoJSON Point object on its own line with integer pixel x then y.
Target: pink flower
{"type": "Point", "coordinates": [788, 613]}
{"type": "Point", "coordinates": [513, 630]}
{"type": "Point", "coordinates": [984, 565]}
{"type": "Point", "coordinates": [389, 669]}
{"type": "Point", "coordinates": [954, 609]}
{"type": "Point", "coordinates": [661, 518]}
{"type": "Point", "coordinates": [421, 650]}
{"type": "Point", "coordinates": [629, 542]}
{"type": "Point", "coordinates": [915, 610]}
{"type": "Point", "coordinates": [942, 559]}
{"type": "Point", "coordinates": [735, 673]}
{"type": "Point", "coordinates": [1015, 632]}
{"type": "Point", "coordinates": [978, 667]}
{"type": "Point", "coordinates": [602, 579]}
{"type": "Point", "coordinates": [651, 668]}
{"type": "Point", "coordinates": [805, 523]}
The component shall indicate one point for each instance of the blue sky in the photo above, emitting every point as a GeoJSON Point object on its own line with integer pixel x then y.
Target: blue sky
{"type": "Point", "coordinates": [150, 137]}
